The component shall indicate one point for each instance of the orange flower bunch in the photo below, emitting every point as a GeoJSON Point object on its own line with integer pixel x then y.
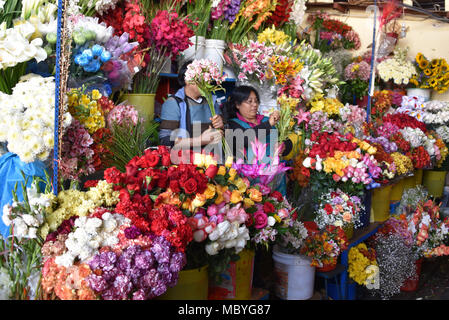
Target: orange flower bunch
{"type": "Point", "coordinates": [300, 173]}
{"type": "Point", "coordinates": [262, 9]}
{"type": "Point", "coordinates": [282, 68]}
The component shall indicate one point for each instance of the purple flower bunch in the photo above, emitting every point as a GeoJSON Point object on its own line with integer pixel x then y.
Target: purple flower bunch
{"type": "Point", "coordinates": [357, 70]}
{"type": "Point", "coordinates": [389, 146]}
{"type": "Point", "coordinates": [219, 10]}
{"type": "Point", "coordinates": [231, 10]}
{"type": "Point", "coordinates": [137, 273]}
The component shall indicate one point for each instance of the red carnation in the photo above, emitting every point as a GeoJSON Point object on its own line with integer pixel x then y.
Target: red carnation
{"type": "Point", "coordinates": [268, 207]}
{"type": "Point", "coordinates": [90, 183]}
{"type": "Point", "coordinates": [277, 195]}
{"type": "Point", "coordinates": [112, 175]}
{"type": "Point", "coordinates": [328, 208]}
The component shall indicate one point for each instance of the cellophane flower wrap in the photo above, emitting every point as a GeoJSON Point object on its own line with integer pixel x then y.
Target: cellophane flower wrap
{"type": "Point", "coordinates": [338, 209]}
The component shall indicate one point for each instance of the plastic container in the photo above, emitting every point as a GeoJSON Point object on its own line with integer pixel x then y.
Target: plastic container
{"type": "Point", "coordinates": [434, 182]}
{"type": "Point", "coordinates": [192, 285]}
{"type": "Point", "coordinates": [214, 51]}
{"type": "Point", "coordinates": [418, 176]}
{"type": "Point", "coordinates": [295, 278]}
{"type": "Point", "coordinates": [332, 290]}
{"type": "Point", "coordinates": [396, 191]}
{"type": "Point", "coordinates": [418, 92]}
{"type": "Point", "coordinates": [195, 51]}
{"type": "Point", "coordinates": [236, 283]}
{"type": "Point", "coordinates": [410, 285]}
{"type": "Point", "coordinates": [380, 205]}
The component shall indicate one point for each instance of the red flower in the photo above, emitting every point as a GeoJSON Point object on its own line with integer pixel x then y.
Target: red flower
{"type": "Point", "coordinates": [211, 171]}
{"type": "Point", "coordinates": [112, 175]}
{"type": "Point", "coordinates": [90, 183]}
{"type": "Point", "coordinates": [277, 195]}
{"type": "Point", "coordinates": [268, 207]}
{"type": "Point", "coordinates": [328, 208]}
{"type": "Point", "coordinates": [190, 186]}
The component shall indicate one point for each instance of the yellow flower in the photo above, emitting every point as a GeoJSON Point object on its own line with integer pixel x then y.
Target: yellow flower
{"type": "Point", "coordinates": [236, 197]}
{"type": "Point", "coordinates": [247, 203]}
{"type": "Point", "coordinates": [229, 162]}
{"type": "Point", "coordinates": [427, 72]}
{"type": "Point", "coordinates": [232, 173]}
{"type": "Point", "coordinates": [221, 171]}
{"type": "Point", "coordinates": [240, 184]}
{"type": "Point", "coordinates": [255, 195]}
{"type": "Point", "coordinates": [210, 191]}
{"type": "Point", "coordinates": [85, 99]}
{"type": "Point", "coordinates": [198, 201]}
{"type": "Point", "coordinates": [96, 94]}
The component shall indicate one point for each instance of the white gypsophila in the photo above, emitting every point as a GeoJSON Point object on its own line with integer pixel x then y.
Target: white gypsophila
{"type": "Point", "coordinates": [102, 6]}
{"type": "Point", "coordinates": [89, 235]}
{"type": "Point", "coordinates": [443, 133]}
{"type": "Point", "coordinates": [16, 46]}
{"type": "Point", "coordinates": [5, 284]}
{"type": "Point", "coordinates": [20, 228]}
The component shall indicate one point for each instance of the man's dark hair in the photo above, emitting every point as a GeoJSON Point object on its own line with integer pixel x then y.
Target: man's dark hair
{"type": "Point", "coordinates": [182, 73]}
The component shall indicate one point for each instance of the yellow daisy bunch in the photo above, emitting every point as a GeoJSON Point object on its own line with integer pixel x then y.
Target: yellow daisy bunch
{"type": "Point", "coordinates": [273, 36]}
{"type": "Point", "coordinates": [358, 263]}
{"type": "Point", "coordinates": [85, 108]}
{"type": "Point", "coordinates": [403, 163]}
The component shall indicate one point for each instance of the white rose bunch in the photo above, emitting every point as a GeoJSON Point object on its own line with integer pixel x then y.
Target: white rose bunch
{"type": "Point", "coordinates": [16, 45]}
{"type": "Point", "coordinates": [102, 31]}
{"type": "Point", "coordinates": [398, 68]}
{"type": "Point", "coordinates": [417, 138]}
{"type": "Point", "coordinates": [228, 235]}
{"type": "Point", "coordinates": [89, 235]}
{"type": "Point", "coordinates": [28, 115]}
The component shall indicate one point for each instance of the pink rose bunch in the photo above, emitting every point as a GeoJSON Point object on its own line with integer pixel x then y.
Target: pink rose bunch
{"type": "Point", "coordinates": [169, 30]}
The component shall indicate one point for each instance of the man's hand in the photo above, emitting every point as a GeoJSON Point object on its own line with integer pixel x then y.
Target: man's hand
{"type": "Point", "coordinates": [217, 122]}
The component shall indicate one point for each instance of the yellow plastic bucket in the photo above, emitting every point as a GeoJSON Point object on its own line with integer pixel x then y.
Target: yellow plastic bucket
{"type": "Point", "coordinates": [237, 282]}
{"type": "Point", "coordinates": [380, 204]}
{"type": "Point", "coordinates": [192, 284]}
{"type": "Point", "coordinates": [418, 176]}
{"type": "Point", "coordinates": [396, 191]}
{"type": "Point", "coordinates": [144, 103]}
{"type": "Point", "coordinates": [434, 181]}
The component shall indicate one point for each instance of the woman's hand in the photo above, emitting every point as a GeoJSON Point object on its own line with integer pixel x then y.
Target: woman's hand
{"type": "Point", "coordinates": [274, 118]}
{"type": "Point", "coordinates": [217, 122]}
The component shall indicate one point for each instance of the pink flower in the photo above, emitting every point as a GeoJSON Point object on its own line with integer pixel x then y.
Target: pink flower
{"type": "Point", "coordinates": [260, 219]}
{"type": "Point", "coordinates": [212, 210]}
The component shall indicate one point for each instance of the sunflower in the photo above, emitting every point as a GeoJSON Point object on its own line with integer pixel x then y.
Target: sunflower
{"type": "Point", "coordinates": [419, 57]}
{"type": "Point", "coordinates": [414, 81]}
{"type": "Point", "coordinates": [444, 66]}
{"type": "Point", "coordinates": [435, 63]}
{"type": "Point", "coordinates": [427, 72]}
{"type": "Point", "coordinates": [423, 64]}
{"type": "Point", "coordinates": [433, 82]}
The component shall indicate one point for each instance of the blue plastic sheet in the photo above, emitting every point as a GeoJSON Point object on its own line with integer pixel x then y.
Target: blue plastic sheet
{"type": "Point", "coordinates": [10, 174]}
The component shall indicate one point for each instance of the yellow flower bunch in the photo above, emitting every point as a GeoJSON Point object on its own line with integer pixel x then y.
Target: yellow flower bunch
{"type": "Point", "coordinates": [85, 108]}
{"type": "Point", "coordinates": [282, 68]}
{"type": "Point", "coordinates": [331, 106]}
{"type": "Point", "coordinates": [273, 36]}
{"type": "Point", "coordinates": [365, 146]}
{"type": "Point", "coordinates": [69, 203]}
{"type": "Point", "coordinates": [403, 163]}
{"type": "Point", "coordinates": [433, 73]}
{"type": "Point", "coordinates": [358, 263]}
{"type": "Point", "coordinates": [339, 161]}
{"type": "Point", "coordinates": [258, 9]}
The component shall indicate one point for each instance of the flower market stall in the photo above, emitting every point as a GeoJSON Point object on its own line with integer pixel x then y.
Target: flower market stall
{"type": "Point", "coordinates": [97, 205]}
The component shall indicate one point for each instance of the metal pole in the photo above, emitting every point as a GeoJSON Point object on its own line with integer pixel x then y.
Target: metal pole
{"type": "Point", "coordinates": [371, 78]}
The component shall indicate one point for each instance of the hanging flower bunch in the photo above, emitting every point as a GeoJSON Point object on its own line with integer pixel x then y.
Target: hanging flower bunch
{"type": "Point", "coordinates": [338, 209]}
{"type": "Point", "coordinates": [433, 74]}
{"type": "Point", "coordinates": [356, 75]}
{"type": "Point", "coordinates": [362, 266]}
{"type": "Point", "coordinates": [332, 34]}
{"type": "Point", "coordinates": [325, 246]}
{"type": "Point", "coordinates": [27, 122]}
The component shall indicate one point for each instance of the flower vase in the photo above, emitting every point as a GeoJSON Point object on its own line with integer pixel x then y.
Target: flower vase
{"type": "Point", "coordinates": [237, 281]}
{"type": "Point", "coordinates": [195, 51]}
{"type": "Point", "coordinates": [143, 102]}
{"type": "Point", "coordinates": [419, 92]}
{"type": "Point", "coordinates": [192, 285]}
{"type": "Point", "coordinates": [412, 283]}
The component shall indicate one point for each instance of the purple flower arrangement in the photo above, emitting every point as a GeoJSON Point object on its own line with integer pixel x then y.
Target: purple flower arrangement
{"type": "Point", "coordinates": [138, 272]}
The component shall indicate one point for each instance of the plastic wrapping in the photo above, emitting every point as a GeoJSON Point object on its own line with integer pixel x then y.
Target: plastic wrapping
{"type": "Point", "coordinates": [411, 198]}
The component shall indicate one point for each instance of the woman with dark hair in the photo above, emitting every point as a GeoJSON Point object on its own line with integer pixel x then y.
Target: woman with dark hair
{"type": "Point", "coordinates": [186, 120]}
{"type": "Point", "coordinates": [241, 111]}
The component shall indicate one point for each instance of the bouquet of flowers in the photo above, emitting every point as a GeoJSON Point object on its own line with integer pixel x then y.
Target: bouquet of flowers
{"type": "Point", "coordinates": [27, 124]}
{"type": "Point", "coordinates": [356, 75]}
{"type": "Point", "coordinates": [398, 68]}
{"type": "Point", "coordinates": [433, 74]}
{"type": "Point", "coordinates": [362, 266]}
{"type": "Point", "coordinates": [338, 209]}
{"type": "Point", "coordinates": [333, 34]}
{"type": "Point", "coordinates": [325, 246]}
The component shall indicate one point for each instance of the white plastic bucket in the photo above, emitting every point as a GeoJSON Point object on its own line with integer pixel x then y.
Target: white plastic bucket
{"type": "Point", "coordinates": [214, 51]}
{"type": "Point", "coordinates": [229, 72]}
{"type": "Point", "coordinates": [418, 92]}
{"type": "Point", "coordinates": [195, 51]}
{"type": "Point", "coordinates": [295, 278]}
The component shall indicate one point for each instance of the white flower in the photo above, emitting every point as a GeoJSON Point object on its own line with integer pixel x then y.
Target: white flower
{"type": "Point", "coordinates": [212, 248]}
{"type": "Point", "coordinates": [271, 221]}
{"type": "Point", "coordinates": [5, 284]}
{"type": "Point", "coordinates": [6, 217]}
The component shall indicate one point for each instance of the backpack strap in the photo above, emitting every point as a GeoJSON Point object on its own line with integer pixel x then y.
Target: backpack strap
{"type": "Point", "coordinates": [188, 122]}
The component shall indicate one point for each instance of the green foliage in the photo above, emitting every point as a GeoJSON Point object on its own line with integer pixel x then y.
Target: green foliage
{"type": "Point", "coordinates": [351, 88]}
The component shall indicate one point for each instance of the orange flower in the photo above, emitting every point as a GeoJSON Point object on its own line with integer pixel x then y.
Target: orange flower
{"type": "Point", "coordinates": [255, 195]}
